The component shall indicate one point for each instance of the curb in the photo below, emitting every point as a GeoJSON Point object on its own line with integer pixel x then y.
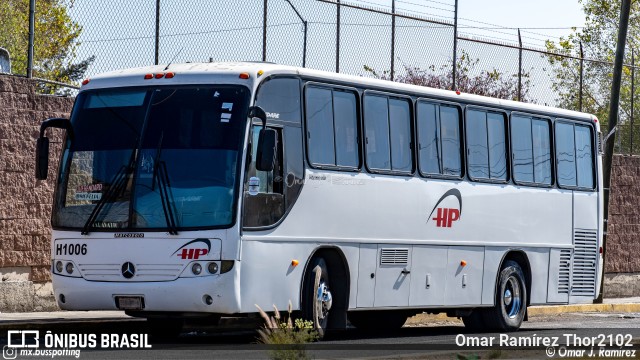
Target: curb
{"type": "Point", "coordinates": [544, 310]}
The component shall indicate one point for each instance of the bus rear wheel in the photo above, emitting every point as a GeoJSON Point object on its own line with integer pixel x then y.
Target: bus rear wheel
{"type": "Point", "coordinates": [317, 299]}
{"type": "Point", "coordinates": [510, 301]}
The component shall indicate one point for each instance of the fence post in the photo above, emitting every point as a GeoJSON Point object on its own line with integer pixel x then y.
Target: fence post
{"type": "Point", "coordinates": [633, 89]}
{"type": "Point", "coordinates": [455, 46]}
{"type": "Point", "coordinates": [393, 37]}
{"type": "Point", "coordinates": [519, 66]}
{"type": "Point", "coordinates": [157, 57]}
{"type": "Point", "coordinates": [337, 36]}
{"type": "Point", "coordinates": [32, 23]}
{"type": "Point", "coordinates": [581, 78]}
{"type": "Point", "coordinates": [304, 23]}
{"type": "Point", "coordinates": [264, 31]}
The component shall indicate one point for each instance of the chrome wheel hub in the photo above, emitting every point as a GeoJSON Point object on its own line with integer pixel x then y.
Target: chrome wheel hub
{"type": "Point", "coordinates": [512, 298]}
{"type": "Point", "coordinates": [324, 300]}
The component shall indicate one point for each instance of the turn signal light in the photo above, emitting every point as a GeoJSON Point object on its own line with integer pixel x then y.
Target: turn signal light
{"type": "Point", "coordinates": [244, 75]}
{"type": "Point", "coordinates": [85, 81]}
{"type": "Point", "coordinates": [463, 263]}
{"type": "Point", "coordinates": [294, 262]}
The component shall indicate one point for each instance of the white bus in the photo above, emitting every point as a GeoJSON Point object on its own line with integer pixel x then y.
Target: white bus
{"type": "Point", "coordinates": [205, 189]}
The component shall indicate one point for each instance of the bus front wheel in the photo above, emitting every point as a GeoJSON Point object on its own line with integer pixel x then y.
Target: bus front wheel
{"type": "Point", "coordinates": [317, 299]}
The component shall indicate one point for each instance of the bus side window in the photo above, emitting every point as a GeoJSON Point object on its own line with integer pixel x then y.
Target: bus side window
{"type": "Point", "coordinates": [486, 145]}
{"type": "Point", "coordinates": [264, 201]}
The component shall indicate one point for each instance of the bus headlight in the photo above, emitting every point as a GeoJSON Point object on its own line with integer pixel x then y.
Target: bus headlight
{"type": "Point", "coordinates": [196, 269]}
{"type": "Point", "coordinates": [69, 268]}
{"type": "Point", "coordinates": [59, 266]}
{"type": "Point", "coordinates": [212, 268]}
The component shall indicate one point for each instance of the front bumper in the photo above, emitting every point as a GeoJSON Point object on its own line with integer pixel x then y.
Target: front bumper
{"type": "Point", "coordinates": [180, 295]}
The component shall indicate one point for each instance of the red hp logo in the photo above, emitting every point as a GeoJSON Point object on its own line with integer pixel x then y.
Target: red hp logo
{"type": "Point", "coordinates": [192, 253]}
{"type": "Point", "coordinates": [446, 217]}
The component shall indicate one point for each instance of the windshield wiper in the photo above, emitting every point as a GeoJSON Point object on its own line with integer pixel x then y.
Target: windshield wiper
{"type": "Point", "coordinates": [162, 176]}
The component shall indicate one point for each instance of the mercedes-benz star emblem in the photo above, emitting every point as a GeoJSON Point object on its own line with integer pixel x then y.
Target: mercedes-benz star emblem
{"type": "Point", "coordinates": [128, 270]}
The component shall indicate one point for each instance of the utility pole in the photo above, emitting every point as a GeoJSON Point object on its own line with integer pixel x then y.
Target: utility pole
{"type": "Point", "coordinates": [613, 122]}
{"type": "Point", "coordinates": [455, 46]}
{"type": "Point", "coordinates": [157, 58]}
{"type": "Point", "coordinates": [32, 24]}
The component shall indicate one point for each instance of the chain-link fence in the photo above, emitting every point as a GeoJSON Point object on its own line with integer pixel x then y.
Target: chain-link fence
{"type": "Point", "coordinates": [389, 39]}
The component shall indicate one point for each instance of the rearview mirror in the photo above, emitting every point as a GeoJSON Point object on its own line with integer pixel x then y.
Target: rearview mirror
{"type": "Point", "coordinates": [42, 158]}
{"type": "Point", "coordinates": [266, 151]}
{"type": "Point", "coordinates": [42, 145]}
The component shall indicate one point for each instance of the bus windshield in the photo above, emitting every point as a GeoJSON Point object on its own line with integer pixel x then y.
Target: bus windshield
{"type": "Point", "coordinates": [152, 159]}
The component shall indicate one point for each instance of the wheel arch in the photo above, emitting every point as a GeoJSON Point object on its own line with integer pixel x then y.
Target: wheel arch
{"type": "Point", "coordinates": [520, 257]}
{"type": "Point", "coordinates": [338, 269]}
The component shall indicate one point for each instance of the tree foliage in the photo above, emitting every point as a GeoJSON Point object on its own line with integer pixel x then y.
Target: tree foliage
{"type": "Point", "coordinates": [468, 79]}
{"type": "Point", "coordinates": [599, 39]}
{"type": "Point", "coordinates": [55, 43]}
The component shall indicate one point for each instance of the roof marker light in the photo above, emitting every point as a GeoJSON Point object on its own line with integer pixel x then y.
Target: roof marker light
{"type": "Point", "coordinates": [457, 92]}
{"type": "Point", "coordinates": [170, 75]}
{"type": "Point", "coordinates": [595, 119]}
{"type": "Point", "coordinates": [148, 76]}
{"type": "Point", "coordinates": [85, 81]}
{"type": "Point", "coordinates": [159, 75]}
{"type": "Point", "coordinates": [244, 75]}
{"type": "Point", "coordinates": [260, 72]}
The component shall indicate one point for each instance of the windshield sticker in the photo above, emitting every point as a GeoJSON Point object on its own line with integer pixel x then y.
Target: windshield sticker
{"type": "Point", "coordinates": [89, 188]}
{"type": "Point", "coordinates": [225, 117]}
{"type": "Point", "coordinates": [227, 106]}
{"type": "Point", "coordinates": [88, 196]}
{"type": "Point", "coordinates": [216, 94]}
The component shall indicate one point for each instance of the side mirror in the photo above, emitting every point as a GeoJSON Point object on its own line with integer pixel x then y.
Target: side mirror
{"type": "Point", "coordinates": [42, 145]}
{"type": "Point", "coordinates": [42, 158]}
{"type": "Point", "coordinates": [266, 151]}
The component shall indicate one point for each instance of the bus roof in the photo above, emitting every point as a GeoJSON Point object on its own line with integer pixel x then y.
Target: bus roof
{"type": "Point", "coordinates": [228, 72]}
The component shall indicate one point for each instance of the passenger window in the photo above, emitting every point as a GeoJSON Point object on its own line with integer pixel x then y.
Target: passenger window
{"type": "Point", "coordinates": [439, 139]}
{"type": "Point", "coordinates": [565, 154]}
{"type": "Point", "coordinates": [541, 139]}
{"type": "Point", "coordinates": [486, 145]}
{"type": "Point", "coordinates": [522, 149]}
{"type": "Point", "coordinates": [388, 133]}
{"type": "Point", "coordinates": [584, 156]}
{"type": "Point", "coordinates": [332, 127]}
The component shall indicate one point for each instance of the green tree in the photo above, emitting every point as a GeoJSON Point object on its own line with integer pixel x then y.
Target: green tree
{"type": "Point", "coordinates": [55, 44]}
{"type": "Point", "coordinates": [599, 38]}
{"type": "Point", "coordinates": [469, 79]}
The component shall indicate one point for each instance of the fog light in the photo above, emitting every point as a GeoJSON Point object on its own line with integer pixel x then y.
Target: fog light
{"type": "Point", "coordinates": [62, 298]}
{"type": "Point", "coordinates": [59, 266]}
{"type": "Point", "coordinates": [69, 268]}
{"type": "Point", "coordinates": [196, 269]}
{"type": "Point", "coordinates": [207, 299]}
{"type": "Point", "coordinates": [212, 268]}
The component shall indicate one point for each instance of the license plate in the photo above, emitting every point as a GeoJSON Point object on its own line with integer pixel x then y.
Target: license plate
{"type": "Point", "coordinates": [129, 302]}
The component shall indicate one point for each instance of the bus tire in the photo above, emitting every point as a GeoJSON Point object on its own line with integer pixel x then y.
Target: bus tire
{"type": "Point", "coordinates": [376, 321]}
{"type": "Point", "coordinates": [316, 297]}
{"type": "Point", "coordinates": [510, 301]}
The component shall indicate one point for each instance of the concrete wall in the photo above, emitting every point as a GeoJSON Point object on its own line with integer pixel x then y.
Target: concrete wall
{"type": "Point", "coordinates": [25, 203]}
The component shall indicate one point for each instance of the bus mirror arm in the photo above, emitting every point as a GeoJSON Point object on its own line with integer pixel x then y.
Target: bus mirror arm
{"type": "Point", "coordinates": [42, 144]}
